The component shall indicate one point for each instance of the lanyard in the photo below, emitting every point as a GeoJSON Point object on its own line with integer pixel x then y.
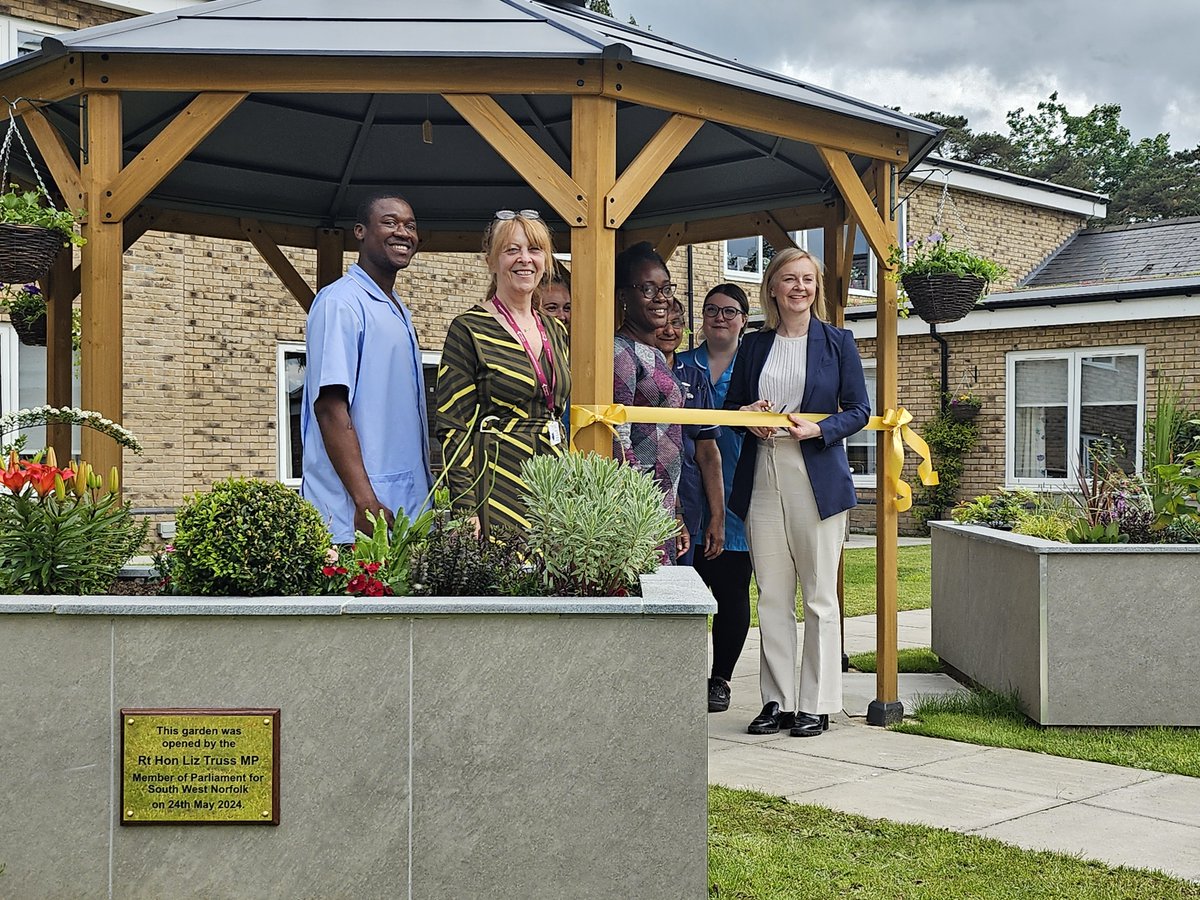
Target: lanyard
{"type": "Point", "coordinates": [546, 385]}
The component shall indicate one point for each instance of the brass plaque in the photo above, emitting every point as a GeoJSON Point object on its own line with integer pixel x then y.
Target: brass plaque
{"type": "Point", "coordinates": [199, 766]}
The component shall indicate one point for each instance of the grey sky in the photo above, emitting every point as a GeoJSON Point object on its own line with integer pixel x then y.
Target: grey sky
{"type": "Point", "coordinates": [978, 58]}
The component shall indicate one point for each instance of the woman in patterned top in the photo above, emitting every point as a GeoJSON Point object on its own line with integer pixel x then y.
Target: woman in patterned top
{"type": "Point", "coordinates": [505, 377]}
{"type": "Point", "coordinates": [641, 377]}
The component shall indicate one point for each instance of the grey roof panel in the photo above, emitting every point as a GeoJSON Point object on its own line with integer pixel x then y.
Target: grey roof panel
{"type": "Point", "coordinates": [1166, 249]}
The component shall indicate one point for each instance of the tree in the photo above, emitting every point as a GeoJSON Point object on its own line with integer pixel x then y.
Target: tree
{"type": "Point", "coordinates": [1143, 179]}
{"type": "Point", "coordinates": [600, 6]}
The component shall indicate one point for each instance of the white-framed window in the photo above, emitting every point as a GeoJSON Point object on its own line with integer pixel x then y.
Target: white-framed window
{"type": "Point", "coordinates": [1063, 406]}
{"type": "Point", "coordinates": [23, 386]}
{"type": "Point", "coordinates": [860, 448]}
{"type": "Point", "coordinates": [746, 258]}
{"type": "Point", "coordinates": [290, 361]}
{"type": "Point", "coordinates": [21, 36]}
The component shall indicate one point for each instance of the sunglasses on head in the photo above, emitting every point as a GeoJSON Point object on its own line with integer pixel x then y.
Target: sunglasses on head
{"type": "Point", "coordinates": [505, 215]}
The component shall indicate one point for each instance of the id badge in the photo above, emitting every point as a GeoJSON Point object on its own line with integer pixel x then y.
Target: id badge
{"type": "Point", "coordinates": [555, 429]}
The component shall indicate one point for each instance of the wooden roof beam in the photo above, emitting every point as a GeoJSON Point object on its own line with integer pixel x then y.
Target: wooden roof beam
{"type": "Point", "coordinates": [280, 264]}
{"type": "Point", "coordinates": [647, 167]}
{"type": "Point", "coordinates": [325, 75]}
{"type": "Point", "coordinates": [710, 100]}
{"type": "Point", "coordinates": [58, 158]}
{"type": "Point", "coordinates": [522, 152]}
{"type": "Point", "coordinates": [858, 202]}
{"type": "Point", "coordinates": [171, 147]}
{"type": "Point", "coordinates": [795, 218]}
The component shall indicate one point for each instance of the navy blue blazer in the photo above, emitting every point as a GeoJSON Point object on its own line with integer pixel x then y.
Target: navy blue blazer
{"type": "Point", "coordinates": [834, 384]}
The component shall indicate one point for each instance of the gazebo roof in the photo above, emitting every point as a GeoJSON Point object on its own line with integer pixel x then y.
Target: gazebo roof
{"type": "Point", "coordinates": [306, 156]}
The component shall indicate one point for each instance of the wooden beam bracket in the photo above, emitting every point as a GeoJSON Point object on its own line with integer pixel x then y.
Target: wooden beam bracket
{"type": "Point", "coordinates": [851, 187]}
{"type": "Point", "coordinates": [647, 167]}
{"type": "Point", "coordinates": [280, 264]}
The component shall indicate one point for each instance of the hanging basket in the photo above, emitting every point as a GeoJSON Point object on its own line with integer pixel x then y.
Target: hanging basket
{"type": "Point", "coordinates": [962, 412]}
{"type": "Point", "coordinates": [27, 251]}
{"type": "Point", "coordinates": [943, 298]}
{"type": "Point", "coordinates": [31, 330]}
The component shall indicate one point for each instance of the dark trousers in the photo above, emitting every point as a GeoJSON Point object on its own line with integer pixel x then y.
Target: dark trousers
{"type": "Point", "coordinates": [728, 576]}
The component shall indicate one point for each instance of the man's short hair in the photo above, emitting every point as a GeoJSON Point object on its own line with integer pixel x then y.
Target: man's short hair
{"type": "Point", "coordinates": [362, 216]}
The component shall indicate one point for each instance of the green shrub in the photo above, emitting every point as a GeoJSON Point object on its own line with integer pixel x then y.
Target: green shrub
{"type": "Point", "coordinates": [1002, 509]}
{"type": "Point", "coordinates": [597, 524]}
{"type": "Point", "coordinates": [1043, 525]}
{"type": "Point", "coordinates": [248, 538]}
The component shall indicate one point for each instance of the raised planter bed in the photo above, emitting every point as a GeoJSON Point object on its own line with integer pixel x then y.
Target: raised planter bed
{"type": "Point", "coordinates": [430, 747]}
{"type": "Point", "coordinates": [1087, 634]}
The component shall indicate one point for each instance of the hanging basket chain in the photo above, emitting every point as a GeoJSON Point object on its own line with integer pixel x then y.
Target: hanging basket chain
{"type": "Point", "coordinates": [937, 222]}
{"type": "Point", "coordinates": [6, 153]}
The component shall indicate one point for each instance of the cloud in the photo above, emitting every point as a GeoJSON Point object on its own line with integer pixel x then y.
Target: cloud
{"type": "Point", "coordinates": [978, 58]}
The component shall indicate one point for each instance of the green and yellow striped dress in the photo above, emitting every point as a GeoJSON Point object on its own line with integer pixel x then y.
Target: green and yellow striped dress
{"type": "Point", "coordinates": [491, 415]}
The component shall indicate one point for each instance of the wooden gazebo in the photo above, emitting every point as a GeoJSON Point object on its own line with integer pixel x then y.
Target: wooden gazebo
{"type": "Point", "coordinates": [268, 120]}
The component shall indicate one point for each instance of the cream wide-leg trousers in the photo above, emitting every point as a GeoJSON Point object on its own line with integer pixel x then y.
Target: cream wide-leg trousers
{"type": "Point", "coordinates": [790, 543]}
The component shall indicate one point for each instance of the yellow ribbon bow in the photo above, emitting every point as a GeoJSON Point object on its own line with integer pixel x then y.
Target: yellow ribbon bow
{"type": "Point", "coordinates": [893, 421]}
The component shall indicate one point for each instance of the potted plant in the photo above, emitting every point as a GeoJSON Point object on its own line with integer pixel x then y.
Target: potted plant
{"type": "Point", "coordinates": [963, 406]}
{"type": "Point", "coordinates": [943, 283]}
{"type": "Point", "coordinates": [32, 233]}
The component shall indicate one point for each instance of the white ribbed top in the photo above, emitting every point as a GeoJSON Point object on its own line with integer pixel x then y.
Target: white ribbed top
{"type": "Point", "coordinates": [783, 374]}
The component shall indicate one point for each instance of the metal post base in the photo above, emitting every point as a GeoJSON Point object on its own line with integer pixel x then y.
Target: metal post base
{"type": "Point", "coordinates": [884, 713]}
{"type": "Point", "coordinates": [845, 663]}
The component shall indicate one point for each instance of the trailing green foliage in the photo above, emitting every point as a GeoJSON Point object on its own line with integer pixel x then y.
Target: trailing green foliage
{"type": "Point", "coordinates": [597, 524]}
{"type": "Point", "coordinates": [949, 441]}
{"type": "Point", "coordinates": [933, 255]}
{"type": "Point", "coordinates": [249, 538]}
{"type": "Point", "coordinates": [18, 207]}
{"type": "Point", "coordinates": [1002, 509]}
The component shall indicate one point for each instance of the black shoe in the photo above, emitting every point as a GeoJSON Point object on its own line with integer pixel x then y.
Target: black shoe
{"type": "Point", "coordinates": [808, 725]}
{"type": "Point", "coordinates": [771, 720]}
{"type": "Point", "coordinates": [718, 695]}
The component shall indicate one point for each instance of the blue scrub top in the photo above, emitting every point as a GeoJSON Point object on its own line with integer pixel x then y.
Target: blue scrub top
{"type": "Point", "coordinates": [729, 442]}
{"type": "Point", "coordinates": [358, 337]}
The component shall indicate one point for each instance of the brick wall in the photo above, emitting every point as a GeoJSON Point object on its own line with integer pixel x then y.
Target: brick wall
{"type": "Point", "coordinates": [72, 15]}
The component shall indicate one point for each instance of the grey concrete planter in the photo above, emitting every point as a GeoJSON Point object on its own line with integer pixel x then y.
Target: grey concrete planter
{"type": "Point", "coordinates": [1087, 634]}
{"type": "Point", "coordinates": [431, 748]}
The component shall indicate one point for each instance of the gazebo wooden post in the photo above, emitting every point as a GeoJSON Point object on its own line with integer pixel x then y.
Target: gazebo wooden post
{"type": "Point", "coordinates": [331, 244]}
{"type": "Point", "coordinates": [58, 286]}
{"type": "Point", "coordinates": [593, 250]}
{"type": "Point", "coordinates": [886, 707]}
{"type": "Point", "coordinates": [834, 232]}
{"type": "Point", "coordinates": [102, 278]}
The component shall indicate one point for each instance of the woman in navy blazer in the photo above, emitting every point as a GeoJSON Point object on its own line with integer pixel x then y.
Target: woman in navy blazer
{"type": "Point", "coordinates": [793, 487]}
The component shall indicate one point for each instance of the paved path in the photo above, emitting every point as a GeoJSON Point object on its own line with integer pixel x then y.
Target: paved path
{"type": "Point", "coordinates": [1120, 816]}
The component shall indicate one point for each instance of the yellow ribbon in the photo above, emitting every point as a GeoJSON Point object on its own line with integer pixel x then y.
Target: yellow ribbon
{"type": "Point", "coordinates": [893, 421]}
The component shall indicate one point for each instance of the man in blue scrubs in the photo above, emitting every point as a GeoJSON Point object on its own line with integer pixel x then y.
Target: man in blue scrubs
{"type": "Point", "coordinates": [363, 424]}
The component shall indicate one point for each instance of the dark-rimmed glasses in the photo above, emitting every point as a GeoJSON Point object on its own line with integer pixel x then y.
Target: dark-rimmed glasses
{"type": "Point", "coordinates": [650, 290]}
{"type": "Point", "coordinates": [505, 215]}
{"type": "Point", "coordinates": [727, 313]}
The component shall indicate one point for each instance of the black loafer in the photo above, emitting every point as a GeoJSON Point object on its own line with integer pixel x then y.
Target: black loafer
{"type": "Point", "coordinates": [808, 725]}
{"type": "Point", "coordinates": [718, 695]}
{"type": "Point", "coordinates": [771, 720]}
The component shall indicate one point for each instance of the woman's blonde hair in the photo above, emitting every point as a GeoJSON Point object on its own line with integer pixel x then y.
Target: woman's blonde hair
{"type": "Point", "coordinates": [770, 306]}
{"type": "Point", "coordinates": [499, 233]}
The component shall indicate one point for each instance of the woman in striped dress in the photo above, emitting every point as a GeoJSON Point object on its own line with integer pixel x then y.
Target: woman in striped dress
{"type": "Point", "coordinates": [505, 378]}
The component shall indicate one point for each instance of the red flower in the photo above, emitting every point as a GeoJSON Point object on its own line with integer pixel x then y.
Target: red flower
{"type": "Point", "coordinates": [357, 584]}
{"type": "Point", "coordinates": [41, 477]}
{"type": "Point", "coordinates": [13, 478]}
{"type": "Point", "coordinates": [371, 567]}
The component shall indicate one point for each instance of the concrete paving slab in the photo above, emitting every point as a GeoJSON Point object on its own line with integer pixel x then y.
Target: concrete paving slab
{"type": "Point", "coordinates": [879, 748]}
{"type": "Point", "coordinates": [773, 772]}
{"type": "Point", "coordinates": [1036, 773]}
{"type": "Point", "coordinates": [1173, 798]}
{"type": "Point", "coordinates": [907, 797]}
{"type": "Point", "coordinates": [1113, 837]}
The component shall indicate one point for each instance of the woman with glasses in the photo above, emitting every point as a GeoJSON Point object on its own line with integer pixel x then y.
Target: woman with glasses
{"type": "Point", "coordinates": [727, 574]}
{"type": "Point", "coordinates": [641, 377]}
{"type": "Point", "coordinates": [505, 377]}
{"type": "Point", "coordinates": [794, 490]}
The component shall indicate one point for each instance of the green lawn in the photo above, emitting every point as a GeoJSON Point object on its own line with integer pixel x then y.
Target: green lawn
{"type": "Point", "coordinates": [912, 577]}
{"type": "Point", "coordinates": [764, 847]}
{"type": "Point", "coordinates": [994, 720]}
{"type": "Point", "coordinates": [908, 659]}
